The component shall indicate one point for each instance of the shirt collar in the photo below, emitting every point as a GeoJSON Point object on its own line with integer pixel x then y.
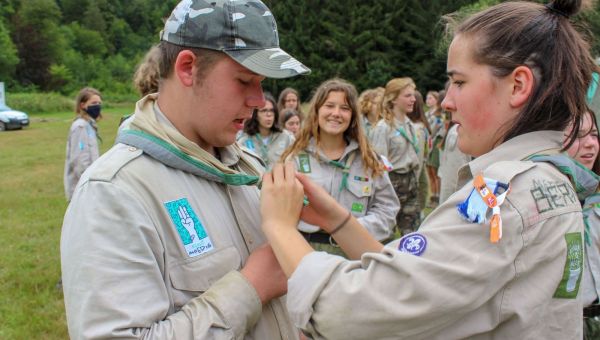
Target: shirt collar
{"type": "Point", "coordinates": [517, 148]}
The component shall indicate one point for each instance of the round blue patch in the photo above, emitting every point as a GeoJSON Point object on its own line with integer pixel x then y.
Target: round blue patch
{"type": "Point", "coordinates": [414, 244]}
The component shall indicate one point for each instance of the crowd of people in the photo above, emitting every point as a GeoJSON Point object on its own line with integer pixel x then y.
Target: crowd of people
{"type": "Point", "coordinates": [218, 199]}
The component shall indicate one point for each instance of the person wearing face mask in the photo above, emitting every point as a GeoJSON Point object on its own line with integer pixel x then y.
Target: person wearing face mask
{"type": "Point", "coordinates": [82, 143]}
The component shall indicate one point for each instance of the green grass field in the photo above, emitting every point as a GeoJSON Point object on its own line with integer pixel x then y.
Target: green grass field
{"type": "Point", "coordinates": [32, 205]}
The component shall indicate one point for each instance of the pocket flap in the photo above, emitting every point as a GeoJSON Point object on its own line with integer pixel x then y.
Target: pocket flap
{"type": "Point", "coordinates": [360, 187]}
{"type": "Point", "coordinates": [200, 273]}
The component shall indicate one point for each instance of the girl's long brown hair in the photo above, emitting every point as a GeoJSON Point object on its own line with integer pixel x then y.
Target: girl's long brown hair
{"type": "Point", "coordinates": [354, 132]}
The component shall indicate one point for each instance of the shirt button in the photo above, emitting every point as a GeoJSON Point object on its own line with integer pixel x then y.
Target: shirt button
{"type": "Point", "coordinates": [132, 148]}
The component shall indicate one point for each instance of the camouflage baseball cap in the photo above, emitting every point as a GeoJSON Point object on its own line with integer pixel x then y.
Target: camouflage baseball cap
{"type": "Point", "coordinates": [243, 29]}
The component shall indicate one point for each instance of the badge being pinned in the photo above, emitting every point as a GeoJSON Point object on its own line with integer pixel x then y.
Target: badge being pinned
{"type": "Point", "coordinates": [486, 194]}
{"type": "Point", "coordinates": [387, 165]}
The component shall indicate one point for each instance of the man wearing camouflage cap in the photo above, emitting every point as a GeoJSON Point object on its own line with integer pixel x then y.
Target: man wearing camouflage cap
{"type": "Point", "coordinates": [162, 237]}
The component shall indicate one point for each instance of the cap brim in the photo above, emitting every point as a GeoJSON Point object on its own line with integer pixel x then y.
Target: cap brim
{"type": "Point", "coordinates": [271, 62]}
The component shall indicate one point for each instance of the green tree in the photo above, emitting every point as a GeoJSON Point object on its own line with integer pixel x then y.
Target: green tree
{"type": "Point", "coordinates": [38, 40]}
{"type": "Point", "coordinates": [8, 57]}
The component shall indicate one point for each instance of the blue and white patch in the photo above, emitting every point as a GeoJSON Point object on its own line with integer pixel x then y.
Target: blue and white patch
{"type": "Point", "coordinates": [414, 244]}
{"type": "Point", "coordinates": [188, 226]}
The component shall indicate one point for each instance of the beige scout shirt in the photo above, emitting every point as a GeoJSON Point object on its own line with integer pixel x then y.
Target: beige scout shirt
{"type": "Point", "coordinates": [127, 273]}
{"type": "Point", "coordinates": [271, 152]}
{"type": "Point", "coordinates": [461, 285]}
{"type": "Point", "coordinates": [451, 159]}
{"type": "Point", "coordinates": [82, 151]}
{"type": "Point", "coordinates": [372, 201]}
{"type": "Point", "coordinates": [591, 274]}
{"type": "Point", "coordinates": [390, 142]}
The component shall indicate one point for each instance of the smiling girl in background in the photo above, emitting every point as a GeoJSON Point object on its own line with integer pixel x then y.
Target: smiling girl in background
{"type": "Point", "coordinates": [333, 151]}
{"type": "Point", "coordinates": [263, 135]}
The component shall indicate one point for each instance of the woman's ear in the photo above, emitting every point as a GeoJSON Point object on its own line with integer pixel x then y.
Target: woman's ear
{"type": "Point", "coordinates": [185, 64]}
{"type": "Point", "coordinates": [522, 86]}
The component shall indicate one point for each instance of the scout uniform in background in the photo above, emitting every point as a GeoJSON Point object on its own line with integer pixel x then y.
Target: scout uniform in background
{"type": "Point", "coordinates": [269, 150]}
{"type": "Point", "coordinates": [82, 151]}
{"type": "Point", "coordinates": [371, 200]}
{"type": "Point", "coordinates": [591, 273]}
{"type": "Point", "coordinates": [451, 159]}
{"type": "Point", "coordinates": [171, 253]}
{"type": "Point", "coordinates": [399, 145]}
{"type": "Point", "coordinates": [449, 280]}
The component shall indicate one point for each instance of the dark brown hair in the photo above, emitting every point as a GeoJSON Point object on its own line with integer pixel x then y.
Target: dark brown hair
{"type": "Point", "coordinates": [251, 125]}
{"type": "Point", "coordinates": [418, 112]}
{"type": "Point", "coordinates": [513, 34]}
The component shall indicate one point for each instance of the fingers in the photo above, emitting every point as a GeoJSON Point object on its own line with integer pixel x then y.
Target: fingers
{"type": "Point", "coordinates": [290, 172]}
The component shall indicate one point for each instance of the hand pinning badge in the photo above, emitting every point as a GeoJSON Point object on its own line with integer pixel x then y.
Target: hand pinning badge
{"type": "Point", "coordinates": [486, 194]}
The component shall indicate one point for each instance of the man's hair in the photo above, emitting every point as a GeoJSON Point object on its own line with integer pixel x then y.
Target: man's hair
{"type": "Point", "coordinates": [206, 58]}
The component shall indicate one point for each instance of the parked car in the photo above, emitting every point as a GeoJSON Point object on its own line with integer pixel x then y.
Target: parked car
{"type": "Point", "coordinates": [12, 119]}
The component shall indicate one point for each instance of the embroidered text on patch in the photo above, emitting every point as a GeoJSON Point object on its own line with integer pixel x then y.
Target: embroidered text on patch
{"type": "Point", "coordinates": [414, 244]}
{"type": "Point", "coordinates": [188, 226]}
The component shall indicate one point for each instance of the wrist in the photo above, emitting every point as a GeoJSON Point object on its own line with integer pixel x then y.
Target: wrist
{"type": "Point", "coordinates": [335, 219]}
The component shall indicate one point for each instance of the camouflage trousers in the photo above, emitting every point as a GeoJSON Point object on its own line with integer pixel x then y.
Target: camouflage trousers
{"type": "Point", "coordinates": [405, 185]}
{"type": "Point", "coordinates": [328, 248]}
{"type": "Point", "coordinates": [591, 328]}
{"type": "Point", "coordinates": [423, 189]}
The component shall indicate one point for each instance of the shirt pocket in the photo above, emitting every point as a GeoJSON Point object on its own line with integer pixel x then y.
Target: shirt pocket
{"type": "Point", "coordinates": [202, 272]}
{"type": "Point", "coordinates": [361, 189]}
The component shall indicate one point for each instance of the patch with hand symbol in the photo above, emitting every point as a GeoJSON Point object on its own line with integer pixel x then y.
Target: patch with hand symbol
{"type": "Point", "coordinates": [188, 226]}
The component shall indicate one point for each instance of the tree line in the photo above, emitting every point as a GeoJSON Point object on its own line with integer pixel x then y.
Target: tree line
{"type": "Point", "coordinates": [62, 45]}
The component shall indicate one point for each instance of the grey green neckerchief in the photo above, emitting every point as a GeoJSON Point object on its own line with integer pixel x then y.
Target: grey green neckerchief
{"type": "Point", "coordinates": [264, 150]}
{"type": "Point", "coordinates": [412, 141]}
{"type": "Point", "coordinates": [163, 142]}
{"type": "Point", "coordinates": [585, 183]}
{"type": "Point", "coordinates": [175, 158]}
{"type": "Point", "coordinates": [345, 169]}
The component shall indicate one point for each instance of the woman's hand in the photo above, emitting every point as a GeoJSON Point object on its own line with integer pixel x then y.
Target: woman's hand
{"type": "Point", "coordinates": [281, 197]}
{"type": "Point", "coordinates": [322, 209]}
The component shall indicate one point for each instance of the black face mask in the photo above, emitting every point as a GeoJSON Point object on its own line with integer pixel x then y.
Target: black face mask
{"type": "Point", "coordinates": [93, 110]}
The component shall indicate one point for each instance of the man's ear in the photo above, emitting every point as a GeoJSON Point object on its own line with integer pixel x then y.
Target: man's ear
{"type": "Point", "coordinates": [522, 86]}
{"type": "Point", "coordinates": [185, 64]}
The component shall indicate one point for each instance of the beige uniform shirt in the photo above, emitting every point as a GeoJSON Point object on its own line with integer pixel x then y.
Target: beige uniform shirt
{"type": "Point", "coordinates": [451, 159]}
{"type": "Point", "coordinates": [271, 152]}
{"type": "Point", "coordinates": [449, 281]}
{"type": "Point", "coordinates": [372, 201]}
{"type": "Point", "coordinates": [389, 141]}
{"type": "Point", "coordinates": [150, 251]}
{"type": "Point", "coordinates": [82, 151]}
{"type": "Point", "coordinates": [591, 273]}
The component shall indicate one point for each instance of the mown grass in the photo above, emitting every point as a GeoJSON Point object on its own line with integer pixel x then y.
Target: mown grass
{"type": "Point", "coordinates": [32, 205]}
